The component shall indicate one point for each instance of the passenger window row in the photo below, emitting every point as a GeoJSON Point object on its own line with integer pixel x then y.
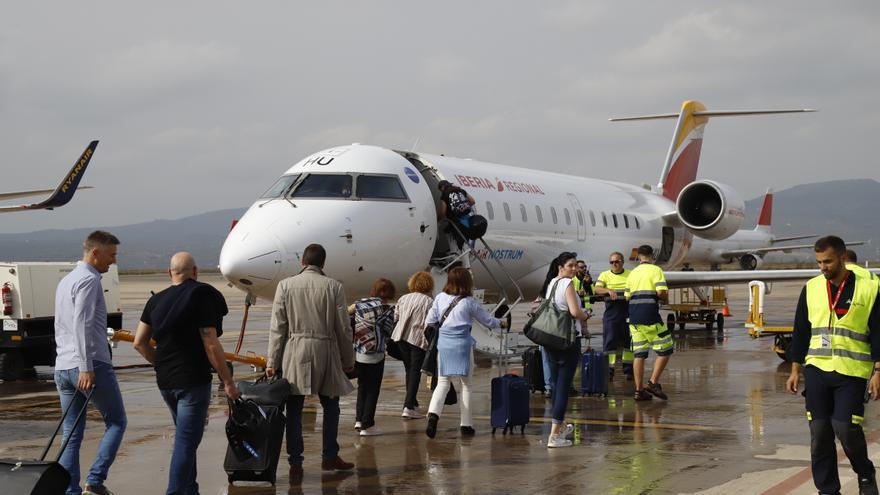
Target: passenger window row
{"type": "Point", "coordinates": [623, 221]}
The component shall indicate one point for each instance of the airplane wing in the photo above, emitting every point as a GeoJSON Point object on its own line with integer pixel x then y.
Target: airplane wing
{"type": "Point", "coordinates": [735, 253]}
{"type": "Point", "coordinates": [61, 194]}
{"type": "Point", "coordinates": [792, 238]}
{"type": "Point", "coordinates": [692, 279]}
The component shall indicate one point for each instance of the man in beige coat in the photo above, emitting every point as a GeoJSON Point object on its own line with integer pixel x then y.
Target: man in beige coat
{"type": "Point", "coordinates": [310, 341]}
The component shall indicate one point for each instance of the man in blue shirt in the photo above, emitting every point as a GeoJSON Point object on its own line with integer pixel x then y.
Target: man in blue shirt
{"type": "Point", "coordinates": [83, 361]}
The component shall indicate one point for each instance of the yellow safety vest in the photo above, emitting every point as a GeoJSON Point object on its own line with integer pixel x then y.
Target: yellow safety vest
{"type": "Point", "coordinates": [577, 288]}
{"type": "Point", "coordinates": [613, 281]}
{"type": "Point", "coordinates": [847, 346]}
{"type": "Point", "coordinates": [861, 271]}
{"type": "Point", "coordinates": [641, 290]}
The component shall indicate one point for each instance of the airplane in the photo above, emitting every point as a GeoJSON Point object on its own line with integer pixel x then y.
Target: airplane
{"type": "Point", "coordinates": [374, 211]}
{"type": "Point", "coordinates": [62, 194]}
{"type": "Point", "coordinates": [748, 247]}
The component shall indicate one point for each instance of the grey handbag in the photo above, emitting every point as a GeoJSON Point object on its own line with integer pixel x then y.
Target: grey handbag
{"type": "Point", "coordinates": [550, 327]}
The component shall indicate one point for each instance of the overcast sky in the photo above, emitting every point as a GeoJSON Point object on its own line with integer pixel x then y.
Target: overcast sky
{"type": "Point", "coordinates": [201, 105]}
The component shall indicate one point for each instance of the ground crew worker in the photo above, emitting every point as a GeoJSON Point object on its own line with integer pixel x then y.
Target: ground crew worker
{"type": "Point", "coordinates": [852, 264]}
{"type": "Point", "coordinates": [615, 332]}
{"type": "Point", "coordinates": [837, 339]}
{"type": "Point", "coordinates": [645, 288]}
{"type": "Point", "coordinates": [583, 286]}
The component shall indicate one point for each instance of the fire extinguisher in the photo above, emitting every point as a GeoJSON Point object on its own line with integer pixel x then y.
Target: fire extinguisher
{"type": "Point", "coordinates": [7, 299]}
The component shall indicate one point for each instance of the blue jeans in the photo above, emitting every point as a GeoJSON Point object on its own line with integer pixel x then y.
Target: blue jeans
{"type": "Point", "coordinates": [107, 399]}
{"type": "Point", "coordinates": [189, 407]}
{"type": "Point", "coordinates": [545, 360]}
{"type": "Point", "coordinates": [295, 447]}
{"type": "Point", "coordinates": [562, 367]}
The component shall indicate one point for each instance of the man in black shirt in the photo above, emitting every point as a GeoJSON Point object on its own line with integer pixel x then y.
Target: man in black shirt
{"type": "Point", "coordinates": [185, 320]}
{"type": "Point", "coordinates": [456, 206]}
{"type": "Point", "coordinates": [836, 340]}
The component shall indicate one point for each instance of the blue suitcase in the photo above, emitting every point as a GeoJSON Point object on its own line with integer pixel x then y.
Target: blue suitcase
{"type": "Point", "coordinates": [510, 403]}
{"type": "Point", "coordinates": [594, 373]}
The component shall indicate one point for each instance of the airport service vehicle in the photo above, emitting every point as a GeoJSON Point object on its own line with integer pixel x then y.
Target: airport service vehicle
{"type": "Point", "coordinates": [375, 212]}
{"type": "Point", "coordinates": [27, 338]}
{"type": "Point", "coordinates": [62, 194]}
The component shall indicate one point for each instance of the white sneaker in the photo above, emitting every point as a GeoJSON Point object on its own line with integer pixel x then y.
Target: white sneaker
{"type": "Point", "coordinates": [357, 425]}
{"type": "Point", "coordinates": [569, 429]}
{"type": "Point", "coordinates": [371, 431]}
{"type": "Point", "coordinates": [556, 441]}
{"type": "Point", "coordinates": [412, 413]}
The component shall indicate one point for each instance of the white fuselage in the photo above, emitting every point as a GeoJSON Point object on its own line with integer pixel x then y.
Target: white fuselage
{"type": "Point", "coordinates": [532, 215]}
{"type": "Point", "coordinates": [704, 251]}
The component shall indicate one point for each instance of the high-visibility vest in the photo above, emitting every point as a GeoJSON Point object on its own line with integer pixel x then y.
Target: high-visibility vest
{"type": "Point", "coordinates": [849, 352]}
{"type": "Point", "coordinates": [861, 271]}
{"type": "Point", "coordinates": [613, 281]}
{"type": "Point", "coordinates": [642, 285]}
{"type": "Point", "coordinates": [576, 282]}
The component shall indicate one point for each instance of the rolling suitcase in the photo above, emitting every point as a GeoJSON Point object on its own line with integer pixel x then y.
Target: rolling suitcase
{"type": "Point", "coordinates": [264, 441]}
{"type": "Point", "coordinates": [265, 449]}
{"type": "Point", "coordinates": [594, 373]}
{"type": "Point", "coordinates": [510, 403]}
{"type": "Point", "coordinates": [40, 477]}
{"type": "Point", "coordinates": [533, 369]}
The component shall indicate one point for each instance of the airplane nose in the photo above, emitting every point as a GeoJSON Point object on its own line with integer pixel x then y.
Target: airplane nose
{"type": "Point", "coordinates": [250, 260]}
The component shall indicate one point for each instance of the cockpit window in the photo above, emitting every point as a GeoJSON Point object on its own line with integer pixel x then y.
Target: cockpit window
{"type": "Point", "coordinates": [281, 186]}
{"type": "Point", "coordinates": [380, 187]}
{"type": "Point", "coordinates": [324, 186]}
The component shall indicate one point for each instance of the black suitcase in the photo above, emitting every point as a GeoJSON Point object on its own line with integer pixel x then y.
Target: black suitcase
{"type": "Point", "coordinates": [266, 444]}
{"type": "Point", "coordinates": [533, 369]}
{"type": "Point", "coordinates": [40, 477]}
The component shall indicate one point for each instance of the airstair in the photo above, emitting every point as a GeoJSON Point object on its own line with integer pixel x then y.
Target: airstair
{"type": "Point", "coordinates": [494, 343]}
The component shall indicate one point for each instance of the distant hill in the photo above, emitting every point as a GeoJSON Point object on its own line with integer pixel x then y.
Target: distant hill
{"type": "Point", "coordinates": [144, 245]}
{"type": "Point", "coordinates": [844, 208]}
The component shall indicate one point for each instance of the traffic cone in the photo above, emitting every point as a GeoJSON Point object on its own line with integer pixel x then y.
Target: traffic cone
{"type": "Point", "coordinates": [725, 310]}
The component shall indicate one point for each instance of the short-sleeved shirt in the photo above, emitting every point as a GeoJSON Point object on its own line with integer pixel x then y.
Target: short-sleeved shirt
{"type": "Point", "coordinates": [457, 204]}
{"type": "Point", "coordinates": [642, 287]}
{"type": "Point", "coordinates": [614, 309]}
{"type": "Point", "coordinates": [176, 314]}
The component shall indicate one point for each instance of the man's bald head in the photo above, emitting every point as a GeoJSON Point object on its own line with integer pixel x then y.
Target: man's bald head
{"type": "Point", "coordinates": [182, 267]}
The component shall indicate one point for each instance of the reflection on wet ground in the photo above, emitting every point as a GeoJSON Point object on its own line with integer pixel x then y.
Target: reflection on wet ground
{"type": "Point", "coordinates": [728, 427]}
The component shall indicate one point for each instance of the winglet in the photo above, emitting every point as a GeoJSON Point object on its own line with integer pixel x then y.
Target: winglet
{"type": "Point", "coordinates": [64, 192]}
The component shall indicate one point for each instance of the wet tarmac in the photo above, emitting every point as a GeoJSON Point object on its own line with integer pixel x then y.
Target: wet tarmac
{"type": "Point", "coordinates": [729, 427]}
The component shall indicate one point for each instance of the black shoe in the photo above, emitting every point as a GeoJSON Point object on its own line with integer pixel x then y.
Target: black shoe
{"type": "Point", "coordinates": [868, 485]}
{"type": "Point", "coordinates": [468, 431]}
{"type": "Point", "coordinates": [610, 374]}
{"type": "Point", "coordinates": [642, 395]}
{"type": "Point", "coordinates": [431, 430]}
{"type": "Point", "coordinates": [656, 390]}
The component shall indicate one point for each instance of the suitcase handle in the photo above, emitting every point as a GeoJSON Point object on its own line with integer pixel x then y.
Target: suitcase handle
{"type": "Point", "coordinates": [61, 423]}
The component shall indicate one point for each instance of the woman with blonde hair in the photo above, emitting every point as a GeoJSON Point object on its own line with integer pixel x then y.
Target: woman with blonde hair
{"type": "Point", "coordinates": [454, 310]}
{"type": "Point", "coordinates": [409, 336]}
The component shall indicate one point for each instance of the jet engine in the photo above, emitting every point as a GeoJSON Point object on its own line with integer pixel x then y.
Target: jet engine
{"type": "Point", "coordinates": [750, 262]}
{"type": "Point", "coordinates": [710, 209]}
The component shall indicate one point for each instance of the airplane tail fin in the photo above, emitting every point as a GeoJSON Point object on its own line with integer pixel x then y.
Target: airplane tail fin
{"type": "Point", "coordinates": [64, 192]}
{"type": "Point", "coordinates": [683, 157]}
{"type": "Point", "coordinates": [765, 217]}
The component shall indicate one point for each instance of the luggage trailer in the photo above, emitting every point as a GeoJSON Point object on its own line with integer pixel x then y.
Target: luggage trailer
{"type": "Point", "coordinates": [705, 306]}
{"type": "Point", "coordinates": [755, 322]}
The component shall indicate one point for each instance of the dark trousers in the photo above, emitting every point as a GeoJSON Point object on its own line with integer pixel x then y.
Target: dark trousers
{"type": "Point", "coordinates": [369, 384]}
{"type": "Point", "coordinates": [413, 357]}
{"type": "Point", "coordinates": [294, 405]}
{"type": "Point", "coordinates": [563, 364]}
{"type": "Point", "coordinates": [835, 408]}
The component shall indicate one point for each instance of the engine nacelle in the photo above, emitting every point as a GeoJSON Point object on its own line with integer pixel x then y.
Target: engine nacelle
{"type": "Point", "coordinates": [710, 209]}
{"type": "Point", "coordinates": [750, 261]}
